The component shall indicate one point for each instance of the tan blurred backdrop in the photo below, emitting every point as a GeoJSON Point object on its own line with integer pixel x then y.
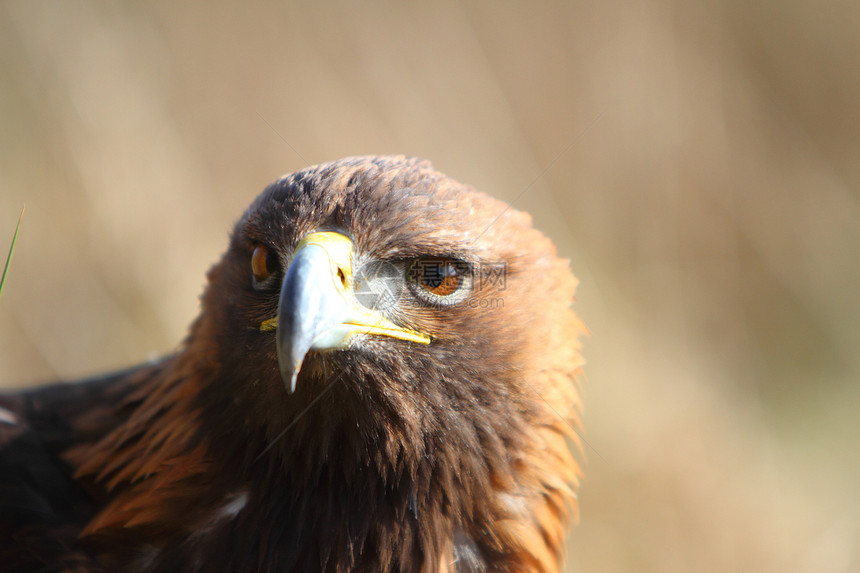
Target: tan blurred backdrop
{"type": "Point", "coordinates": [698, 162]}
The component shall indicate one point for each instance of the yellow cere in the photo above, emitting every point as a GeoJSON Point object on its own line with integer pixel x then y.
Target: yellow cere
{"type": "Point", "coordinates": [339, 249]}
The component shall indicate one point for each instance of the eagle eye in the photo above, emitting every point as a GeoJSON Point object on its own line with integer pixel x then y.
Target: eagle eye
{"type": "Point", "coordinates": [439, 277]}
{"type": "Point", "coordinates": [264, 263]}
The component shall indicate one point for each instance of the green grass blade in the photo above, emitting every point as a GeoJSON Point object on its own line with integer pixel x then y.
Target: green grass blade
{"type": "Point", "coordinates": [11, 250]}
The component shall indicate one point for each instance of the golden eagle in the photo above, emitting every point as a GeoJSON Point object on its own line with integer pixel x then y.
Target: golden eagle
{"type": "Point", "coordinates": [382, 378]}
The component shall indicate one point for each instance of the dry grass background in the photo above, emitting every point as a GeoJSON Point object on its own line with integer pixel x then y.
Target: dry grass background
{"type": "Point", "coordinates": [699, 162]}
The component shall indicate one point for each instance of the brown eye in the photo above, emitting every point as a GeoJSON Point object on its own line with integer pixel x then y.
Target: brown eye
{"type": "Point", "coordinates": [440, 277]}
{"type": "Point", "coordinates": [262, 263]}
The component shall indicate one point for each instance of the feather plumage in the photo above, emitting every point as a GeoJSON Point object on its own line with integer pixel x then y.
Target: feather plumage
{"type": "Point", "coordinates": [390, 455]}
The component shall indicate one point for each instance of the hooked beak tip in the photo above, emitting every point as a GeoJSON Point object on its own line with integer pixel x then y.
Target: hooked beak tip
{"type": "Point", "coordinates": [290, 376]}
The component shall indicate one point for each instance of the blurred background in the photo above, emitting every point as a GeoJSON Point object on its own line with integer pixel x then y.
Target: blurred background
{"type": "Point", "coordinates": [698, 162]}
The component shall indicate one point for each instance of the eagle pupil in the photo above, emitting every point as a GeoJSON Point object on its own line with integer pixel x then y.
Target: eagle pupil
{"type": "Point", "coordinates": [441, 278]}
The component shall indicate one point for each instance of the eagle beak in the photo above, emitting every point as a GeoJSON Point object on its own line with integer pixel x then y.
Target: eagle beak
{"type": "Point", "coordinates": [318, 308]}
